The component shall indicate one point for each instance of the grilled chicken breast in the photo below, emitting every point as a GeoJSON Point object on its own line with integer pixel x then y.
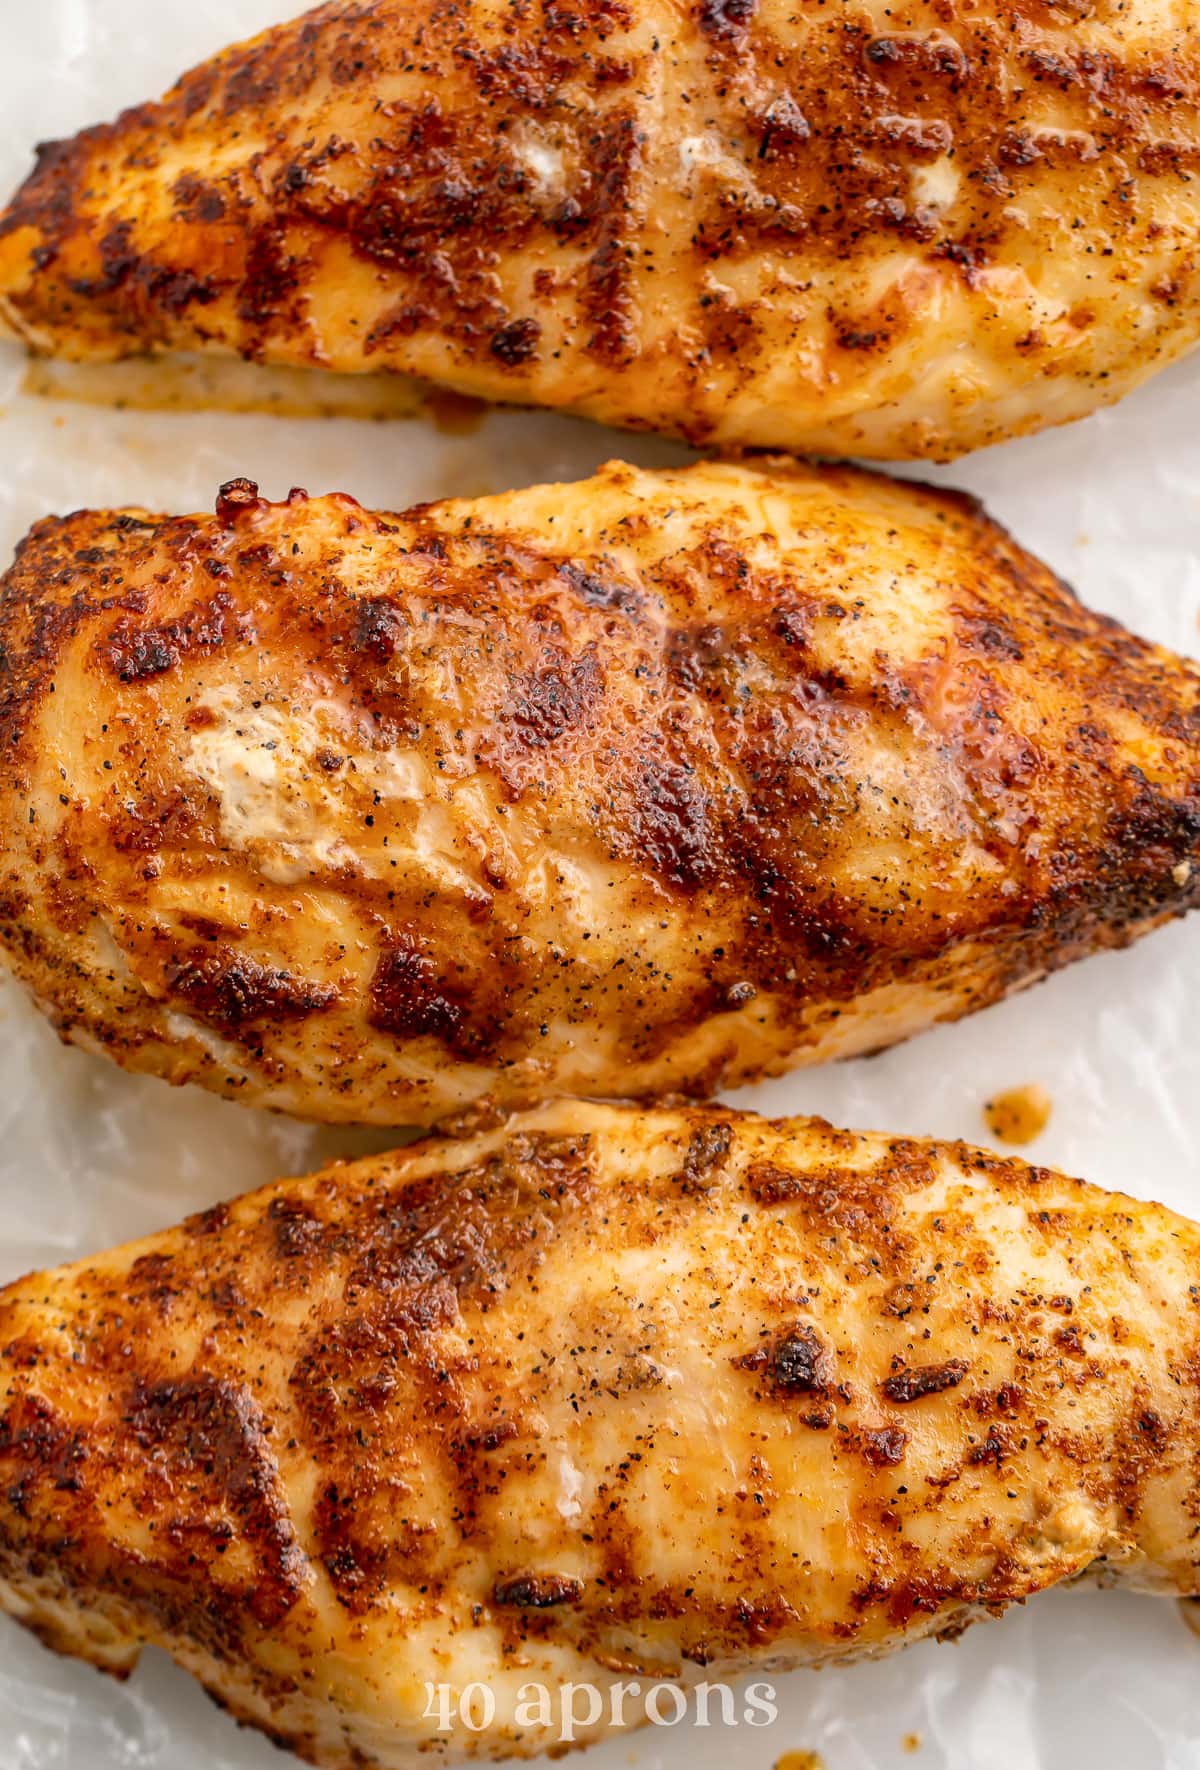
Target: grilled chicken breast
{"type": "Point", "coordinates": [883, 231]}
{"type": "Point", "coordinates": [596, 1395]}
{"type": "Point", "coordinates": [652, 783]}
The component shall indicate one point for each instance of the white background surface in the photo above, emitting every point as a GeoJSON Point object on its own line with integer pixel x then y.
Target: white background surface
{"type": "Point", "coordinates": [89, 1157]}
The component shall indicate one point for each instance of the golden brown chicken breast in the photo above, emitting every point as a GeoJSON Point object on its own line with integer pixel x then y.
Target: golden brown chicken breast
{"type": "Point", "coordinates": [655, 782]}
{"type": "Point", "coordinates": [597, 1396]}
{"type": "Point", "coordinates": [874, 230]}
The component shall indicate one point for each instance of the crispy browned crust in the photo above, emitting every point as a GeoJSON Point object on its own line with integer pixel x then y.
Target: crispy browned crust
{"type": "Point", "coordinates": [595, 1393]}
{"type": "Point", "coordinates": [657, 782]}
{"type": "Point", "coordinates": [746, 221]}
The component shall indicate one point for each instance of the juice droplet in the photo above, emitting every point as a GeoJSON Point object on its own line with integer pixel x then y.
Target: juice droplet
{"type": "Point", "coordinates": [1019, 1114]}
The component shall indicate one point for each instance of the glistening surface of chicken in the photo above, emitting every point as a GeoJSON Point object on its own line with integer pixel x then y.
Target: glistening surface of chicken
{"type": "Point", "coordinates": [848, 227]}
{"type": "Point", "coordinates": [595, 1395]}
{"type": "Point", "coordinates": [656, 782]}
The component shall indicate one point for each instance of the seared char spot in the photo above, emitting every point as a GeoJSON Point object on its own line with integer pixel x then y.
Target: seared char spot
{"type": "Point", "coordinates": [694, 652]}
{"type": "Point", "coordinates": [794, 1362]}
{"type": "Point", "coordinates": [784, 127]}
{"type": "Point", "coordinates": [883, 1446]}
{"type": "Point", "coordinates": [706, 1153]}
{"type": "Point", "coordinates": [537, 1591]}
{"type": "Point", "coordinates": [197, 200]}
{"type": "Point", "coordinates": [235, 499]}
{"type": "Point", "coordinates": [368, 1537]}
{"type": "Point", "coordinates": [516, 342]}
{"type": "Point", "coordinates": [491, 1437]}
{"type": "Point", "coordinates": [137, 654]}
{"type": "Point", "coordinates": [378, 626]}
{"type": "Point", "coordinates": [930, 1379]}
{"type": "Point", "coordinates": [140, 654]}
{"type": "Point", "coordinates": [599, 590]}
{"type": "Point", "coordinates": [407, 999]}
{"type": "Point", "coordinates": [769, 1185]}
{"type": "Point", "coordinates": [128, 274]}
{"type": "Point", "coordinates": [210, 1222]}
{"type": "Point", "coordinates": [271, 277]}
{"type": "Point", "coordinates": [228, 989]}
{"type": "Point", "coordinates": [726, 19]}
{"type": "Point", "coordinates": [298, 1230]}
{"type": "Point", "coordinates": [986, 634]}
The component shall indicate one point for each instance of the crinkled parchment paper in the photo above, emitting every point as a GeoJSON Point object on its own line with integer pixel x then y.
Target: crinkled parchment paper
{"type": "Point", "coordinates": [89, 1156]}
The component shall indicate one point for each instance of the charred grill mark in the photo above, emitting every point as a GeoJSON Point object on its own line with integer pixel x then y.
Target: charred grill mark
{"type": "Point", "coordinates": [140, 280]}
{"type": "Point", "coordinates": [609, 300]}
{"type": "Point", "coordinates": [152, 1278]}
{"type": "Point", "coordinates": [667, 824]}
{"type": "Point", "coordinates": [357, 1570]}
{"type": "Point", "coordinates": [39, 1453]}
{"type": "Point", "coordinates": [48, 199]}
{"type": "Point", "coordinates": [493, 1436]}
{"type": "Point", "coordinates": [472, 1229]}
{"type": "Point", "coordinates": [984, 633]}
{"type": "Point", "coordinates": [406, 1000]}
{"type": "Point", "coordinates": [155, 821]}
{"type": "Point", "coordinates": [784, 127]}
{"type": "Point", "coordinates": [994, 1448]}
{"type": "Point", "coordinates": [210, 1435]}
{"type": "Point", "coordinates": [1143, 1443]}
{"type": "Point", "coordinates": [229, 990]}
{"type": "Point", "coordinates": [934, 54]}
{"type": "Point", "coordinates": [696, 657]}
{"type": "Point", "coordinates": [140, 654]}
{"type": "Point", "coordinates": [1153, 834]}
{"type": "Point", "coordinates": [66, 577]}
{"type": "Point", "coordinates": [730, 331]}
{"type": "Point", "coordinates": [369, 1539]}
{"type": "Point", "coordinates": [207, 927]}
{"type": "Point", "coordinates": [769, 1184]}
{"type": "Point", "coordinates": [273, 279]}
{"type": "Point", "coordinates": [210, 1222]}
{"type": "Point", "coordinates": [417, 1259]}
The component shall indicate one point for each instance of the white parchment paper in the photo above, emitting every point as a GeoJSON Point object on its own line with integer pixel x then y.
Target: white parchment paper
{"type": "Point", "coordinates": [89, 1157]}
